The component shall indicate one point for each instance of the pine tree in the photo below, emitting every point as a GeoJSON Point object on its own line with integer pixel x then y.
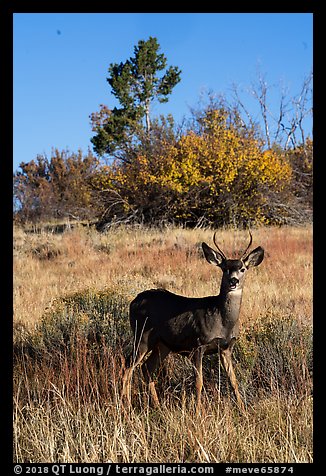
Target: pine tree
{"type": "Point", "coordinates": [136, 83]}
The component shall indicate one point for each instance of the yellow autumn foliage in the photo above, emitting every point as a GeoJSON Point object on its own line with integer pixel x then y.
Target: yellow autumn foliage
{"type": "Point", "coordinates": [220, 173]}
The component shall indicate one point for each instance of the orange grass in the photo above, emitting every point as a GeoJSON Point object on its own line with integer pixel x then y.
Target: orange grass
{"type": "Point", "coordinates": [66, 400]}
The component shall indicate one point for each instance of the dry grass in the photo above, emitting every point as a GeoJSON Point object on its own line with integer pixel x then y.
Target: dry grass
{"type": "Point", "coordinates": [71, 298]}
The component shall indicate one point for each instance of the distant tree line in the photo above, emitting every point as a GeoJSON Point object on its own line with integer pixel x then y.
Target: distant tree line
{"type": "Point", "coordinates": [219, 167]}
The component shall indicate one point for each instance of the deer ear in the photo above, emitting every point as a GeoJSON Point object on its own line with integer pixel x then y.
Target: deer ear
{"type": "Point", "coordinates": [254, 258]}
{"type": "Point", "coordinates": [212, 256]}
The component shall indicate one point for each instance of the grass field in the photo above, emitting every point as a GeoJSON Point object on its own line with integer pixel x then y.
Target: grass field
{"type": "Point", "coordinates": [71, 330]}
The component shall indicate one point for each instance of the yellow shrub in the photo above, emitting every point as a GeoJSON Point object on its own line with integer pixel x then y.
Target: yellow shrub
{"type": "Point", "coordinates": [220, 173]}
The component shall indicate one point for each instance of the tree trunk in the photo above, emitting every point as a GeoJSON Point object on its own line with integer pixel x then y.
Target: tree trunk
{"type": "Point", "coordinates": [148, 121]}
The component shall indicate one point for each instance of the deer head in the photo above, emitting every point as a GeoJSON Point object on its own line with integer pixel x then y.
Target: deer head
{"type": "Point", "coordinates": [234, 270]}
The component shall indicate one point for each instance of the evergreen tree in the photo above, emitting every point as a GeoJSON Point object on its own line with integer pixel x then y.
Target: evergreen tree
{"type": "Point", "coordinates": [136, 83]}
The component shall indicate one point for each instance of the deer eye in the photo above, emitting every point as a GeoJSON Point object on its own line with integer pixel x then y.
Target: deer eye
{"type": "Point", "coordinates": [243, 270]}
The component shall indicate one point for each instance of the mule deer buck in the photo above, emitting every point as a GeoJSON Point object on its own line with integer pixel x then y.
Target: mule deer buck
{"type": "Point", "coordinates": [163, 322]}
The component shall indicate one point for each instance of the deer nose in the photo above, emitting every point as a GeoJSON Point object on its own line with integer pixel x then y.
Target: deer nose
{"type": "Point", "coordinates": [234, 281]}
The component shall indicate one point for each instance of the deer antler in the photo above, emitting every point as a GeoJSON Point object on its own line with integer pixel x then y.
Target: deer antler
{"type": "Point", "coordinates": [244, 253]}
{"type": "Point", "coordinates": [219, 249]}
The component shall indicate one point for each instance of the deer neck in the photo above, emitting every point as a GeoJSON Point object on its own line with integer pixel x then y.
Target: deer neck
{"type": "Point", "coordinates": [230, 303]}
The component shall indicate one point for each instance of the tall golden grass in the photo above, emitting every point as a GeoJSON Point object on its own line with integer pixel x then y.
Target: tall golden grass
{"type": "Point", "coordinates": [71, 296]}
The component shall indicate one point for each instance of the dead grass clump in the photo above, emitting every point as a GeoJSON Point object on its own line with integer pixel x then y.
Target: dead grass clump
{"type": "Point", "coordinates": [46, 252]}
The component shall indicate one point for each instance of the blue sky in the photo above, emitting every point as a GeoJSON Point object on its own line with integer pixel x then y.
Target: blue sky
{"type": "Point", "coordinates": [61, 62]}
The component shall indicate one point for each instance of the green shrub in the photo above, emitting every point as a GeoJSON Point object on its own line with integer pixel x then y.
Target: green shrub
{"type": "Point", "coordinates": [275, 354]}
{"type": "Point", "coordinates": [97, 318]}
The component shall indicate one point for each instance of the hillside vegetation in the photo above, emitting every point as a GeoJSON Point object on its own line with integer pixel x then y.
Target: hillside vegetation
{"type": "Point", "coordinates": [215, 173]}
{"type": "Point", "coordinates": [71, 331]}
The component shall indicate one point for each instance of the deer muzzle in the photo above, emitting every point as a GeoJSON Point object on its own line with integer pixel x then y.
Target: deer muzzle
{"type": "Point", "coordinates": [233, 283]}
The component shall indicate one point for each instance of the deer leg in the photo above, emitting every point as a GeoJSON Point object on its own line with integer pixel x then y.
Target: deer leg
{"type": "Point", "coordinates": [198, 362]}
{"type": "Point", "coordinates": [125, 392]}
{"type": "Point", "coordinates": [132, 363]}
{"type": "Point", "coordinates": [228, 366]}
{"type": "Point", "coordinates": [153, 362]}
